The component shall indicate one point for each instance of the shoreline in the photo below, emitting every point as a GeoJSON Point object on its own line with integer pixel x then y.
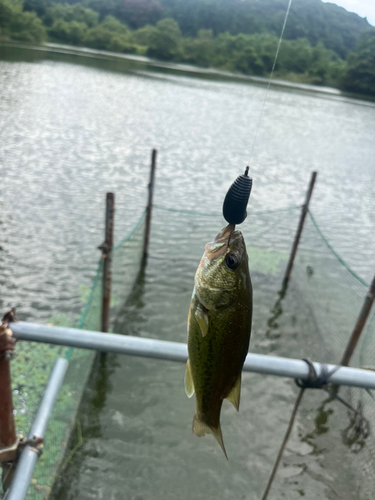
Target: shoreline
{"type": "Point", "coordinates": [329, 92]}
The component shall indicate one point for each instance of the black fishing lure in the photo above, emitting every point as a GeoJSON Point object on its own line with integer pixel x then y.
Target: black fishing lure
{"type": "Point", "coordinates": [236, 199]}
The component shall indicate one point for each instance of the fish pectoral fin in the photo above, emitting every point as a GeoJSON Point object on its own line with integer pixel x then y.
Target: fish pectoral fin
{"type": "Point", "coordinates": [200, 429]}
{"type": "Point", "coordinates": [235, 393]}
{"type": "Point", "coordinates": [189, 384]}
{"type": "Point", "coordinates": [202, 319]}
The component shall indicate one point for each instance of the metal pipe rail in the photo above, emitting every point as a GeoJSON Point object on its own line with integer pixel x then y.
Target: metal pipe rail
{"type": "Point", "coordinates": [29, 456]}
{"type": "Point", "coordinates": [174, 351]}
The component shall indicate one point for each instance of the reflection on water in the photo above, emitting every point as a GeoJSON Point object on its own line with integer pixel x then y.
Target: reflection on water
{"type": "Point", "coordinates": [73, 128]}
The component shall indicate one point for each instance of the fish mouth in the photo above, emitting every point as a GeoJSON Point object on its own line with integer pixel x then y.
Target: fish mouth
{"type": "Point", "coordinates": [228, 232]}
{"type": "Point", "coordinates": [219, 245]}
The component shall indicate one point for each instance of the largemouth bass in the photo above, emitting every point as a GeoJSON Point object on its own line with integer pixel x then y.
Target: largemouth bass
{"type": "Point", "coordinates": [219, 326]}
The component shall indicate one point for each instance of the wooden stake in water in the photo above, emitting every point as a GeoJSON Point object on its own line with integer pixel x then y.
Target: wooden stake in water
{"type": "Point", "coordinates": [305, 208]}
{"type": "Point", "coordinates": [360, 324]}
{"type": "Point", "coordinates": [146, 241]}
{"type": "Point", "coordinates": [107, 248]}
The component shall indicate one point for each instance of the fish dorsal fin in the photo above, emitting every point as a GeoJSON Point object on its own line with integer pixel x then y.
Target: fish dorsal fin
{"type": "Point", "coordinates": [189, 384]}
{"type": "Point", "coordinates": [234, 395]}
{"type": "Point", "coordinates": [200, 429]}
{"type": "Point", "coordinates": [202, 319]}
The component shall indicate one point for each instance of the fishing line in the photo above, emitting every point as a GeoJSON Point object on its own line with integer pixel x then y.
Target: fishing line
{"type": "Point", "coordinates": [269, 80]}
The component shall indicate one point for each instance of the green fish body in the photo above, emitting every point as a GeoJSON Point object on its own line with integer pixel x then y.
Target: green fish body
{"type": "Point", "coordinates": [219, 326]}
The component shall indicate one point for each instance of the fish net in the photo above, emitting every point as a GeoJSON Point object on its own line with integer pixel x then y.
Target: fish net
{"type": "Point", "coordinates": [333, 295]}
{"type": "Point", "coordinates": [324, 293]}
{"type": "Point", "coordinates": [28, 387]}
{"type": "Point", "coordinates": [323, 290]}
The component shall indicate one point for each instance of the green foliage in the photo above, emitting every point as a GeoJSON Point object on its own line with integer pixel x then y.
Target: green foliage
{"type": "Point", "coordinates": [143, 35]}
{"type": "Point", "coordinates": [110, 35]}
{"type": "Point", "coordinates": [165, 40]}
{"type": "Point", "coordinates": [28, 27]}
{"type": "Point", "coordinates": [37, 6]}
{"type": "Point", "coordinates": [254, 55]}
{"type": "Point", "coordinates": [200, 50]}
{"type": "Point", "coordinates": [232, 35]}
{"type": "Point", "coordinates": [319, 65]}
{"type": "Point", "coordinates": [68, 32]}
{"type": "Point", "coordinates": [70, 13]}
{"type": "Point", "coordinates": [8, 10]}
{"type": "Point", "coordinates": [19, 25]}
{"type": "Point", "coordinates": [137, 13]}
{"type": "Point", "coordinates": [359, 75]}
{"type": "Point", "coordinates": [315, 20]}
{"type": "Point", "coordinates": [134, 13]}
{"type": "Point", "coordinates": [114, 25]}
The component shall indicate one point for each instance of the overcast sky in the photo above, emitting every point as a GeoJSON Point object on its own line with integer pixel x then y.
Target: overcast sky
{"type": "Point", "coordinates": [364, 8]}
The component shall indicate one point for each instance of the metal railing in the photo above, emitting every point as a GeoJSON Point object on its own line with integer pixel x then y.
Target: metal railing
{"type": "Point", "coordinates": [175, 351]}
{"type": "Point", "coordinates": [31, 451]}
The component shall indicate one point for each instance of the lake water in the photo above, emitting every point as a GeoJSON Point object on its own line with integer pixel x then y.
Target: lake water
{"type": "Point", "coordinates": [73, 128]}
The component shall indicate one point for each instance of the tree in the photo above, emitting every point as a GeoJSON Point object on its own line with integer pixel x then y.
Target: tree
{"type": "Point", "coordinates": [199, 50]}
{"type": "Point", "coordinates": [28, 27]}
{"type": "Point", "coordinates": [71, 13]}
{"type": "Point", "coordinates": [121, 43]}
{"type": "Point", "coordinates": [143, 35]}
{"type": "Point", "coordinates": [69, 32]}
{"type": "Point", "coordinates": [20, 25]}
{"type": "Point", "coordinates": [110, 35]}
{"type": "Point", "coordinates": [295, 56]}
{"type": "Point", "coordinates": [360, 72]}
{"type": "Point", "coordinates": [112, 24]}
{"type": "Point", "coordinates": [37, 6]}
{"type": "Point", "coordinates": [165, 41]}
{"type": "Point", "coordinates": [99, 38]}
{"type": "Point", "coordinates": [315, 20]}
{"type": "Point", "coordinates": [8, 10]}
{"type": "Point", "coordinates": [137, 13]}
{"type": "Point", "coordinates": [248, 62]}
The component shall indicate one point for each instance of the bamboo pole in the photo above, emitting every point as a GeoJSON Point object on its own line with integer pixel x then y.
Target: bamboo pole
{"type": "Point", "coordinates": [107, 248]}
{"type": "Point", "coordinates": [360, 324]}
{"type": "Point", "coordinates": [304, 210]}
{"type": "Point", "coordinates": [149, 207]}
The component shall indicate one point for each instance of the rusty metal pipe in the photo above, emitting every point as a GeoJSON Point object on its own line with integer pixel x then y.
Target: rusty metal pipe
{"type": "Point", "coordinates": [8, 436]}
{"type": "Point", "coordinates": [7, 426]}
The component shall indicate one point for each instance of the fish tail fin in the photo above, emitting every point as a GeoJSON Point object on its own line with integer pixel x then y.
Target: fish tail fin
{"type": "Point", "coordinates": [200, 429]}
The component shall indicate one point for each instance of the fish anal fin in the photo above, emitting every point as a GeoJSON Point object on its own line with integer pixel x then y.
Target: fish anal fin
{"type": "Point", "coordinates": [202, 320]}
{"type": "Point", "coordinates": [200, 429]}
{"type": "Point", "coordinates": [189, 384]}
{"type": "Point", "coordinates": [235, 393]}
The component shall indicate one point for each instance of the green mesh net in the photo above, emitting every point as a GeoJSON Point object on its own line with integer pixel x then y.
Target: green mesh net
{"type": "Point", "coordinates": [330, 293]}
{"type": "Point", "coordinates": [334, 294]}
{"type": "Point", "coordinates": [28, 387]}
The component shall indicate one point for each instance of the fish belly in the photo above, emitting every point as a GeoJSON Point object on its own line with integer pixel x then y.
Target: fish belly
{"type": "Point", "coordinates": [216, 359]}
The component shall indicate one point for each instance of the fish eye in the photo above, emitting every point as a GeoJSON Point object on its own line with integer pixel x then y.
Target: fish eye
{"type": "Point", "coordinates": [231, 261]}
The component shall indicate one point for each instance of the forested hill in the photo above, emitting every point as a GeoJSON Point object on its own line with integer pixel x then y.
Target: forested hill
{"type": "Point", "coordinates": [315, 20]}
{"type": "Point", "coordinates": [323, 43]}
